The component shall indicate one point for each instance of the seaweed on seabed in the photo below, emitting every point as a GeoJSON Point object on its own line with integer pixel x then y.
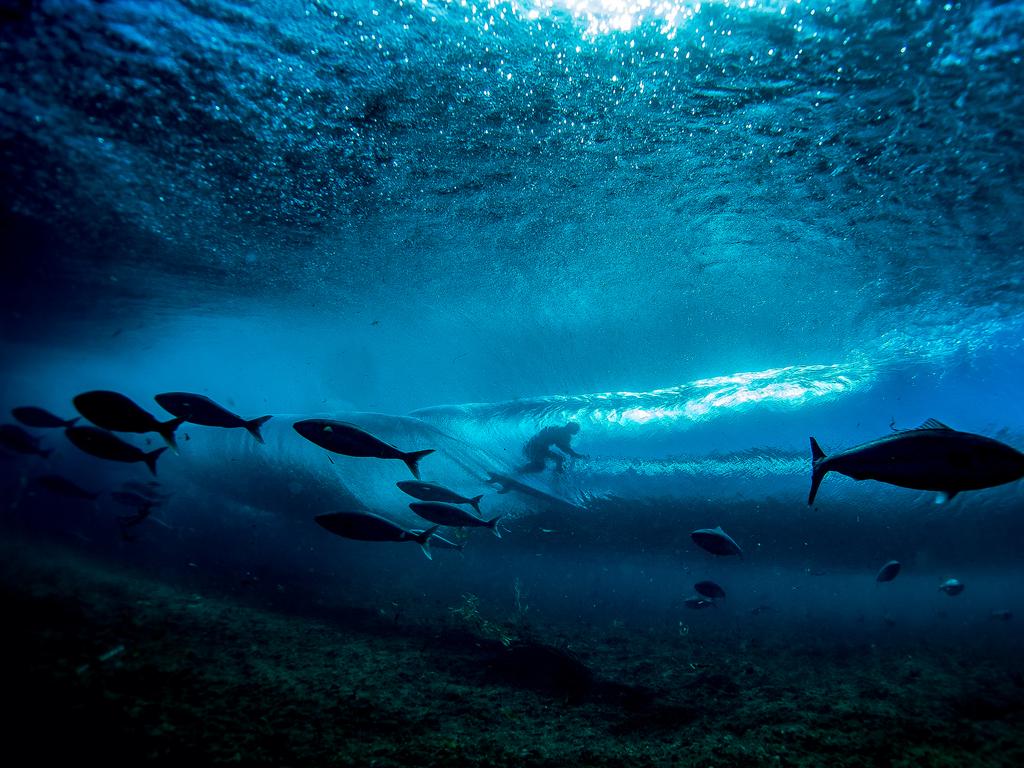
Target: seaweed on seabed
{"type": "Point", "coordinates": [468, 613]}
{"type": "Point", "coordinates": [517, 629]}
{"type": "Point", "coordinates": [519, 658]}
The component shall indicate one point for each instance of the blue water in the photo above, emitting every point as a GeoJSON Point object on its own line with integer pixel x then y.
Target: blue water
{"type": "Point", "coordinates": [703, 231]}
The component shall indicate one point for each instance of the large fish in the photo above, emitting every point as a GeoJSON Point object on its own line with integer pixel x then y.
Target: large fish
{"type": "Point", "coordinates": [103, 445]}
{"type": "Point", "coordinates": [952, 587]}
{"type": "Point", "coordinates": [716, 541]}
{"type": "Point", "coordinates": [889, 571]}
{"type": "Point", "coordinates": [350, 440]}
{"type": "Point", "coordinates": [365, 526]}
{"type": "Point", "coordinates": [17, 439]}
{"type": "Point", "coordinates": [709, 589]}
{"type": "Point", "coordinates": [114, 411]}
{"type": "Point", "coordinates": [446, 514]}
{"type": "Point", "coordinates": [932, 457]}
{"type": "Point", "coordinates": [434, 492]}
{"type": "Point", "coordinates": [199, 409]}
{"type": "Point", "coordinates": [31, 416]}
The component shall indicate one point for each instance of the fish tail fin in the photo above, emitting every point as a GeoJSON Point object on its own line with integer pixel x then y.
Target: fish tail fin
{"type": "Point", "coordinates": [412, 460]}
{"type": "Point", "coordinates": [493, 525]}
{"type": "Point", "coordinates": [475, 503]}
{"type": "Point", "coordinates": [166, 430]}
{"type": "Point", "coordinates": [818, 470]}
{"type": "Point", "coordinates": [423, 539]}
{"type": "Point", "coordinates": [816, 453]}
{"type": "Point", "coordinates": [253, 427]}
{"type": "Point", "coordinates": [151, 457]}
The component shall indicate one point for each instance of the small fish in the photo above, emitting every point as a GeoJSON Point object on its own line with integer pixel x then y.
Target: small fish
{"type": "Point", "coordinates": [815, 571]}
{"type": "Point", "coordinates": [198, 409]}
{"type": "Point", "coordinates": [761, 609]}
{"type": "Point", "coordinates": [103, 445]}
{"type": "Point", "coordinates": [446, 514]}
{"type": "Point", "coordinates": [434, 492]}
{"type": "Point", "coordinates": [709, 589]}
{"type": "Point", "coordinates": [889, 571]}
{"type": "Point", "coordinates": [117, 413]}
{"type": "Point", "coordinates": [696, 603]}
{"type": "Point", "coordinates": [350, 440]}
{"type": "Point", "coordinates": [64, 487]}
{"type": "Point", "coordinates": [932, 457]}
{"type": "Point", "coordinates": [31, 416]}
{"type": "Point", "coordinates": [366, 526]}
{"type": "Point", "coordinates": [1002, 615]}
{"type": "Point", "coordinates": [952, 587]}
{"type": "Point", "coordinates": [18, 440]}
{"type": "Point", "coordinates": [716, 541]}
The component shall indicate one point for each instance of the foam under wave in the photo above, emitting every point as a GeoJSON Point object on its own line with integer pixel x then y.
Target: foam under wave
{"type": "Point", "coordinates": [672, 409]}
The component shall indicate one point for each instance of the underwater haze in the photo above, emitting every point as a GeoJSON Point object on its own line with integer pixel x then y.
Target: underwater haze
{"type": "Point", "coordinates": [704, 232]}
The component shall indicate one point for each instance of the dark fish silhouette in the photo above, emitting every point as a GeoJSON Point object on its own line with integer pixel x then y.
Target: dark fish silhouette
{"type": "Point", "coordinates": [31, 416]}
{"type": "Point", "coordinates": [434, 492]}
{"type": "Point", "coordinates": [103, 445]}
{"type": "Point", "coordinates": [64, 487]}
{"type": "Point", "coordinates": [716, 541]}
{"type": "Point", "coordinates": [696, 603]}
{"type": "Point", "coordinates": [889, 571]}
{"type": "Point", "coordinates": [952, 587]}
{"type": "Point", "coordinates": [932, 457]}
{"type": "Point", "coordinates": [440, 542]}
{"type": "Point", "coordinates": [366, 526]}
{"type": "Point", "coordinates": [446, 514]}
{"type": "Point", "coordinates": [115, 412]}
{"type": "Point", "coordinates": [198, 409]}
{"type": "Point", "coordinates": [18, 440]}
{"type": "Point", "coordinates": [709, 589]}
{"type": "Point", "coordinates": [1002, 615]}
{"type": "Point", "coordinates": [350, 440]}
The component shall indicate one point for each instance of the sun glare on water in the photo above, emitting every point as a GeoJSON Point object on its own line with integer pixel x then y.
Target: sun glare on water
{"type": "Point", "coordinates": [609, 16]}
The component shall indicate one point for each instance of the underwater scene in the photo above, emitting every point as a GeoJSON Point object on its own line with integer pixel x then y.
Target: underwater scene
{"type": "Point", "coordinates": [512, 383]}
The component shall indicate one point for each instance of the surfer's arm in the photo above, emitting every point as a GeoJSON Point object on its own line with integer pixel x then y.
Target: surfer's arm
{"type": "Point", "coordinates": [562, 444]}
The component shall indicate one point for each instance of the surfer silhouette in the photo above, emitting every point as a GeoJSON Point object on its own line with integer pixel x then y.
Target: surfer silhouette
{"type": "Point", "coordinates": [538, 448]}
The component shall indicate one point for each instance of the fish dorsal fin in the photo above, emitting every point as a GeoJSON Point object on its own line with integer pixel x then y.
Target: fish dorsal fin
{"type": "Point", "coordinates": [934, 424]}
